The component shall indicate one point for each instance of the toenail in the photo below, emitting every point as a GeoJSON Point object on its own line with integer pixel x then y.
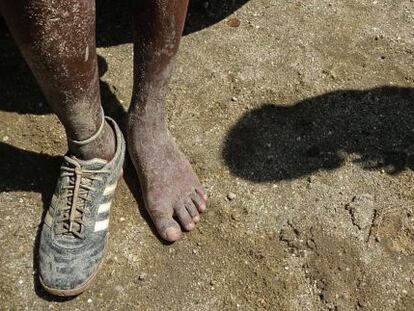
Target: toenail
{"type": "Point", "coordinates": [172, 234]}
{"type": "Point", "coordinates": [196, 218]}
{"type": "Point", "coordinates": [190, 226]}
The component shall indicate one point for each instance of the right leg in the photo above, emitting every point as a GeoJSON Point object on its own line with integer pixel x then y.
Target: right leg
{"type": "Point", "coordinates": [57, 40]}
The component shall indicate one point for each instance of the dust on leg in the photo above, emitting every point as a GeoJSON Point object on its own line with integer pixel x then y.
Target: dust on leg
{"type": "Point", "coordinates": [170, 187]}
{"type": "Point", "coordinates": [57, 40]}
{"type": "Point", "coordinates": [172, 192]}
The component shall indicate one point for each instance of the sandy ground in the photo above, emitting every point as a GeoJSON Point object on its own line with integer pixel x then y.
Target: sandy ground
{"type": "Point", "coordinates": [304, 114]}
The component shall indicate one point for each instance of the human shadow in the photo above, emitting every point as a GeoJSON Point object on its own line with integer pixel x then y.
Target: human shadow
{"type": "Point", "coordinates": [114, 25]}
{"type": "Point", "coordinates": [373, 128]}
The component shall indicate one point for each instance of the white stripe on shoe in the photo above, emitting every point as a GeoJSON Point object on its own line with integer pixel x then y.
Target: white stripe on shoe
{"type": "Point", "coordinates": [110, 189]}
{"type": "Point", "coordinates": [101, 225]}
{"type": "Point", "coordinates": [104, 207]}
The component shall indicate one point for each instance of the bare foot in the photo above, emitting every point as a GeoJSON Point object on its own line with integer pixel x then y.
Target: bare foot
{"type": "Point", "coordinates": [169, 185]}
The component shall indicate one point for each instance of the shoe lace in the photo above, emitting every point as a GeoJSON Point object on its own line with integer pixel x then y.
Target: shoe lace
{"type": "Point", "coordinates": [76, 193]}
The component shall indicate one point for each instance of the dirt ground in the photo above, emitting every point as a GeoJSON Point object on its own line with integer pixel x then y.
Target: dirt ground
{"type": "Point", "coordinates": [303, 115]}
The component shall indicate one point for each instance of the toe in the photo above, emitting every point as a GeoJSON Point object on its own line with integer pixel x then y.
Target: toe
{"type": "Point", "coordinates": [167, 228]}
{"type": "Point", "coordinates": [192, 210]}
{"type": "Point", "coordinates": [184, 217]}
{"type": "Point", "coordinates": [199, 200]}
{"type": "Point", "coordinates": [202, 193]}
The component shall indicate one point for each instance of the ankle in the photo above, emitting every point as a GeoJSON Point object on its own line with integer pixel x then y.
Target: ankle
{"type": "Point", "coordinates": [103, 147]}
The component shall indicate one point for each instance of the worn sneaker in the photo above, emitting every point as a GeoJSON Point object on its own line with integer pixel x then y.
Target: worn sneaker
{"type": "Point", "coordinates": [75, 230]}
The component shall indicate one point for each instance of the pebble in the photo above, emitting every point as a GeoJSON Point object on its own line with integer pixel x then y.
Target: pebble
{"type": "Point", "coordinates": [122, 219]}
{"type": "Point", "coordinates": [231, 196]}
{"type": "Point", "coordinates": [142, 276]}
{"type": "Point", "coordinates": [89, 300]}
{"type": "Point", "coordinates": [234, 99]}
{"type": "Point", "coordinates": [5, 138]}
{"type": "Point", "coordinates": [233, 22]}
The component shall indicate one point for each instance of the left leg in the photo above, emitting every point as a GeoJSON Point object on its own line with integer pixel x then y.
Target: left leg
{"type": "Point", "coordinates": [169, 185]}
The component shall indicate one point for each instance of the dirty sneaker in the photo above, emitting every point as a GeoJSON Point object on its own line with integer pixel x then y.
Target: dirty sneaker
{"type": "Point", "coordinates": [75, 227]}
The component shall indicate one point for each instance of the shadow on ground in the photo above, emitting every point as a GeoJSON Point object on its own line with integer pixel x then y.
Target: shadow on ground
{"type": "Point", "coordinates": [374, 128]}
{"type": "Point", "coordinates": [114, 26]}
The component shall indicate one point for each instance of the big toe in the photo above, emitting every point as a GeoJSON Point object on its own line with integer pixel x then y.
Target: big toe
{"type": "Point", "coordinates": [168, 229]}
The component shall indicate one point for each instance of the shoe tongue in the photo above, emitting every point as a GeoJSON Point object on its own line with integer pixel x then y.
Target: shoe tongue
{"type": "Point", "coordinates": [93, 164]}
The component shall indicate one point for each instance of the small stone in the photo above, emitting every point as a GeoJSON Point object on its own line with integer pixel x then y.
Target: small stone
{"type": "Point", "coordinates": [122, 219]}
{"type": "Point", "coordinates": [233, 22]}
{"type": "Point", "coordinates": [89, 300]}
{"type": "Point", "coordinates": [142, 276]}
{"type": "Point", "coordinates": [234, 99]}
{"type": "Point", "coordinates": [20, 282]}
{"type": "Point", "coordinates": [5, 138]}
{"type": "Point", "coordinates": [231, 196]}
